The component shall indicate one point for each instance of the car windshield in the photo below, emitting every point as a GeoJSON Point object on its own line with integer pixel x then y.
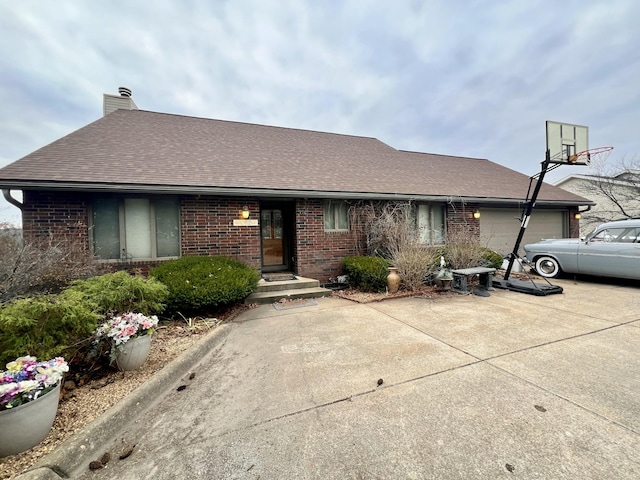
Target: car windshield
{"type": "Point", "coordinates": [591, 235]}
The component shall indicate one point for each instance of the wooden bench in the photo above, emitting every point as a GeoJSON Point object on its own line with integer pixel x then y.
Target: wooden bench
{"type": "Point", "coordinates": [460, 277]}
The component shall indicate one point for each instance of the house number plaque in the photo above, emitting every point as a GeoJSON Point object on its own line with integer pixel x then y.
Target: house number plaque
{"type": "Point", "coordinates": [251, 222]}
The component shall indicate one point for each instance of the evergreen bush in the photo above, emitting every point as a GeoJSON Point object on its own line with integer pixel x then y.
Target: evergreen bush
{"type": "Point", "coordinates": [369, 274]}
{"type": "Point", "coordinates": [121, 292]}
{"type": "Point", "coordinates": [45, 326]}
{"type": "Point", "coordinates": [202, 285]}
{"type": "Point", "coordinates": [492, 259]}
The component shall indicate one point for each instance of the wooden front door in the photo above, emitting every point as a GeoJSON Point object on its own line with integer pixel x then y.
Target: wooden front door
{"type": "Point", "coordinates": [272, 230]}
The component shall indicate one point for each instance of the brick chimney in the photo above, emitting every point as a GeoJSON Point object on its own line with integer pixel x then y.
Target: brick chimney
{"type": "Point", "coordinates": [123, 101]}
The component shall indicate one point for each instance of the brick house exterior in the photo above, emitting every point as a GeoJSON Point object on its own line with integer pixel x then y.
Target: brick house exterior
{"type": "Point", "coordinates": [207, 229]}
{"type": "Point", "coordinates": [291, 183]}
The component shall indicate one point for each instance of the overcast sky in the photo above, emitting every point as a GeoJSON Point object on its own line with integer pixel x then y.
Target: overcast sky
{"type": "Point", "coordinates": [468, 78]}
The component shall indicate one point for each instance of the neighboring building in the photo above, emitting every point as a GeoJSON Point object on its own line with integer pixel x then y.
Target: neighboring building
{"type": "Point", "coordinates": [139, 187]}
{"type": "Point", "coordinates": [624, 187]}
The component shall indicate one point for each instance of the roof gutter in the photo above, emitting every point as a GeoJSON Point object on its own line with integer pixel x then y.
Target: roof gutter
{"type": "Point", "coordinates": [265, 192]}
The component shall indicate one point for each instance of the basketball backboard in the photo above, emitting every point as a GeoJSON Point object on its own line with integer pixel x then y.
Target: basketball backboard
{"type": "Point", "coordinates": [565, 140]}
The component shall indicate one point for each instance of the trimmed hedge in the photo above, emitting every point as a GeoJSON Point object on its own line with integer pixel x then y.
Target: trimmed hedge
{"type": "Point", "coordinates": [202, 285]}
{"type": "Point", "coordinates": [121, 292]}
{"type": "Point", "coordinates": [369, 274]}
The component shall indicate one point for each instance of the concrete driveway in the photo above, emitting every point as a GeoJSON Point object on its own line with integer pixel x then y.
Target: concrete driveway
{"type": "Point", "coordinates": [510, 386]}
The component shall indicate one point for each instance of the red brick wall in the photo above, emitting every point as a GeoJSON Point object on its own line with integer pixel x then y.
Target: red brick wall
{"type": "Point", "coordinates": [206, 225]}
{"type": "Point", "coordinates": [319, 254]}
{"type": "Point", "coordinates": [460, 222]}
{"type": "Point", "coordinates": [574, 223]}
{"type": "Point", "coordinates": [207, 229]}
{"type": "Point", "coordinates": [55, 217]}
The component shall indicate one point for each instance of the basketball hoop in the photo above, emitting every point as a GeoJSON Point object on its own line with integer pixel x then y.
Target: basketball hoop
{"type": "Point", "coordinates": [585, 157]}
{"type": "Point", "coordinates": [563, 139]}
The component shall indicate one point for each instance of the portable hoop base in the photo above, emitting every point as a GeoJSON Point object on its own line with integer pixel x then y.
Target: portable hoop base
{"type": "Point", "coordinates": [530, 287]}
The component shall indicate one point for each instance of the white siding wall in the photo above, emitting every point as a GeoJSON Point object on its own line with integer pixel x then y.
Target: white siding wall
{"type": "Point", "coordinates": [605, 209]}
{"type": "Point", "coordinates": [111, 103]}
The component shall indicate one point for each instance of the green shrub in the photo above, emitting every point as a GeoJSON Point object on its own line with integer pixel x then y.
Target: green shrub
{"type": "Point", "coordinates": [121, 292]}
{"type": "Point", "coordinates": [493, 259]}
{"type": "Point", "coordinates": [199, 285]}
{"type": "Point", "coordinates": [45, 326]}
{"type": "Point", "coordinates": [369, 274]}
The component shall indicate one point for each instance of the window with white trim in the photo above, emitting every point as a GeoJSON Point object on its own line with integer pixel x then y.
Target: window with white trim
{"type": "Point", "coordinates": [430, 223]}
{"type": "Point", "coordinates": [336, 215]}
{"type": "Point", "coordinates": [135, 228]}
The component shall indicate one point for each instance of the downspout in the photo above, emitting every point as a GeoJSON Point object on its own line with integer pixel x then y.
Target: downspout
{"type": "Point", "coordinates": [7, 196]}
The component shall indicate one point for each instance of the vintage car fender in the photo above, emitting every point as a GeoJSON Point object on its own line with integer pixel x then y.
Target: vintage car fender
{"type": "Point", "coordinates": [565, 251]}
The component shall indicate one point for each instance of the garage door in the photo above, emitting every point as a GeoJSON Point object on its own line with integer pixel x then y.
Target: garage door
{"type": "Point", "coordinates": [499, 227]}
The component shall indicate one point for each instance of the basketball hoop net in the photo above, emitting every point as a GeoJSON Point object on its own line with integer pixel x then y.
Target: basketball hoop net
{"type": "Point", "coordinates": [585, 157]}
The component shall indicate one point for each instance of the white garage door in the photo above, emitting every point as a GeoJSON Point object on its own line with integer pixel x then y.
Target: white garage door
{"type": "Point", "coordinates": [499, 227]}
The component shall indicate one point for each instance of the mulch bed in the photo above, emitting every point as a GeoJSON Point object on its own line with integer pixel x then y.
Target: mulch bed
{"type": "Point", "coordinates": [426, 291]}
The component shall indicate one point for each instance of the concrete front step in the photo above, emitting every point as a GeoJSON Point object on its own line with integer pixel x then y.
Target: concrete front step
{"type": "Point", "coordinates": [273, 296]}
{"type": "Point", "coordinates": [300, 283]}
{"type": "Point", "coordinates": [270, 292]}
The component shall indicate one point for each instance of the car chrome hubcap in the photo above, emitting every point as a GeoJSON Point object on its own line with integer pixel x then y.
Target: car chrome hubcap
{"type": "Point", "coordinates": [547, 266]}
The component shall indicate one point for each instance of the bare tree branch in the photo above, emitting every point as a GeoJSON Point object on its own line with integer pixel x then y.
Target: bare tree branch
{"type": "Point", "coordinates": [614, 187]}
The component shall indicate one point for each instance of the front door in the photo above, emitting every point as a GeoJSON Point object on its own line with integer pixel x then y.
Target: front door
{"type": "Point", "coordinates": [273, 239]}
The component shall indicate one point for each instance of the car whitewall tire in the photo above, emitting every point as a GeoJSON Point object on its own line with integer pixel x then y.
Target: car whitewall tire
{"type": "Point", "coordinates": [547, 267]}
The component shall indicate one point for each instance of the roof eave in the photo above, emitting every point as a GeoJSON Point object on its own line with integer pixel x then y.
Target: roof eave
{"type": "Point", "coordinates": [264, 192]}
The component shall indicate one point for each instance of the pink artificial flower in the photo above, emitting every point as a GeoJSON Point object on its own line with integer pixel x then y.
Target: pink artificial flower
{"type": "Point", "coordinates": [129, 330]}
{"type": "Point", "coordinates": [146, 324]}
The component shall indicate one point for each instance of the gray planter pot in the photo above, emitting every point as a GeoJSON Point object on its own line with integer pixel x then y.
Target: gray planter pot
{"type": "Point", "coordinates": [24, 427]}
{"type": "Point", "coordinates": [134, 353]}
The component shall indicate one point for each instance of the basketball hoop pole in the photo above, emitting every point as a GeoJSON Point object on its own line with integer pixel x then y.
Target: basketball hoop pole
{"type": "Point", "coordinates": [527, 213]}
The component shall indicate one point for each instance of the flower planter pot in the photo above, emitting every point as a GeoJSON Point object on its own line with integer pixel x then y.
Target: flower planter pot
{"type": "Point", "coordinates": [26, 425]}
{"type": "Point", "coordinates": [133, 353]}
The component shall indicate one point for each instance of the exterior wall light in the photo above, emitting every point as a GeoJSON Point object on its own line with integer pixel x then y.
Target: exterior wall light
{"type": "Point", "coordinates": [577, 216]}
{"type": "Point", "coordinates": [476, 214]}
{"type": "Point", "coordinates": [245, 212]}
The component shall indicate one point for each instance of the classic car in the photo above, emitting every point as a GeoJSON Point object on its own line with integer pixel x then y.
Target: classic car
{"type": "Point", "coordinates": [611, 250]}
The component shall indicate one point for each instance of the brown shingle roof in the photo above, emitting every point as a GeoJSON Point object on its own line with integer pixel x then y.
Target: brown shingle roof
{"type": "Point", "coordinates": [137, 149]}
